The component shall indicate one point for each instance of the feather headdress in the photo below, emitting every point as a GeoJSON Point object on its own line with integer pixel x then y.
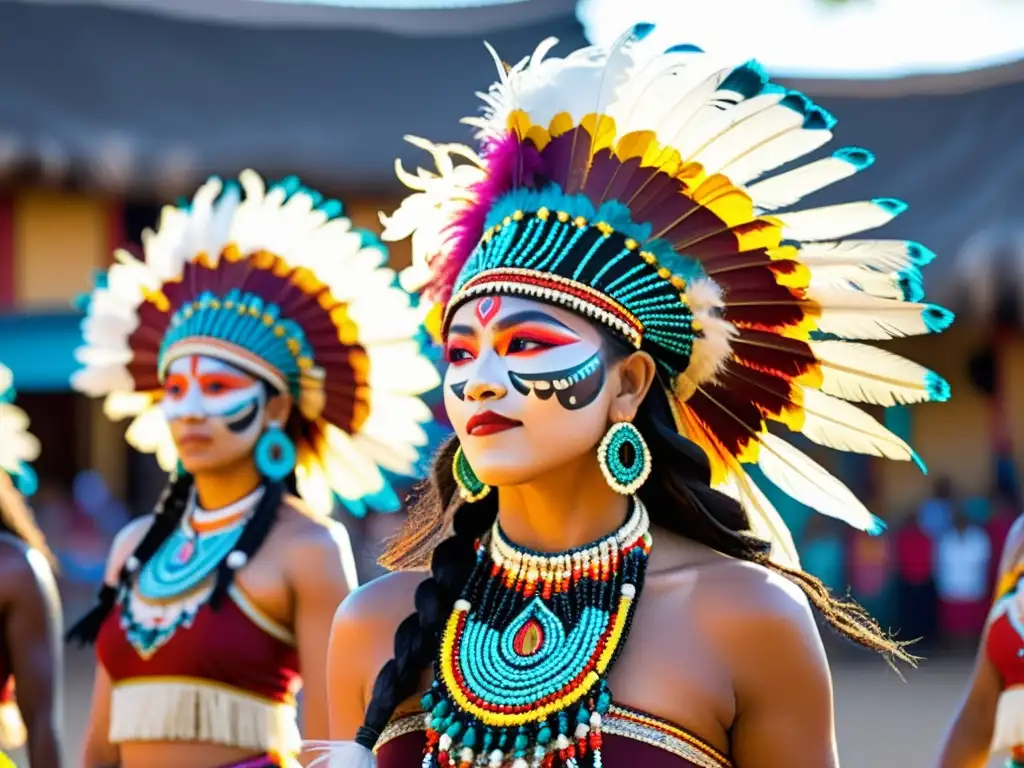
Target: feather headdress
{"type": "Point", "coordinates": [278, 282]}
{"type": "Point", "coordinates": [640, 187]}
{"type": "Point", "coordinates": [18, 446]}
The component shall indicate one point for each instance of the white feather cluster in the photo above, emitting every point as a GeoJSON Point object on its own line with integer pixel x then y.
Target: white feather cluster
{"type": "Point", "coordinates": [18, 446]}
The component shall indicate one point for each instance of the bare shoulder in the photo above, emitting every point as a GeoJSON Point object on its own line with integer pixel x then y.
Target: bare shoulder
{"type": "Point", "coordinates": [125, 542]}
{"type": "Point", "coordinates": [377, 608]}
{"type": "Point", "coordinates": [316, 548]}
{"type": "Point", "coordinates": [300, 523]}
{"type": "Point", "coordinates": [760, 599]}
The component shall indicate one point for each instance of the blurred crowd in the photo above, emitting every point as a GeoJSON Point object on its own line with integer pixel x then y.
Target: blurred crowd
{"type": "Point", "coordinates": [931, 577]}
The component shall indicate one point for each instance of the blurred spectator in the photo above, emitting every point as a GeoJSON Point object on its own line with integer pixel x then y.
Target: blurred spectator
{"type": "Point", "coordinates": [962, 560]}
{"type": "Point", "coordinates": [870, 571]}
{"type": "Point", "coordinates": [916, 598]}
{"type": "Point", "coordinates": [823, 552]}
{"type": "Point", "coordinates": [935, 515]}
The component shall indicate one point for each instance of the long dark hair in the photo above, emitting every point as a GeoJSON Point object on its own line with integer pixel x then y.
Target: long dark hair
{"type": "Point", "coordinates": [679, 498]}
{"type": "Point", "coordinates": [172, 506]}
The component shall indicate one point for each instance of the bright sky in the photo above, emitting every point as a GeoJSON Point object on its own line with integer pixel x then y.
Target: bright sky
{"type": "Point", "coordinates": [860, 39]}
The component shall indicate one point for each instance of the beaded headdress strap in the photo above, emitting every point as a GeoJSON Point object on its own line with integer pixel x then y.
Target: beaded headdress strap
{"type": "Point", "coordinates": [639, 187]}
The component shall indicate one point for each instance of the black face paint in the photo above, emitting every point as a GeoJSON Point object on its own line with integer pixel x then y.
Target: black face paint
{"type": "Point", "coordinates": [575, 387]}
{"type": "Point", "coordinates": [459, 389]}
{"type": "Point", "coordinates": [243, 419]}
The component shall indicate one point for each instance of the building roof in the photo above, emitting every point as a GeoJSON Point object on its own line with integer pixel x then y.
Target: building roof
{"type": "Point", "coordinates": [146, 103]}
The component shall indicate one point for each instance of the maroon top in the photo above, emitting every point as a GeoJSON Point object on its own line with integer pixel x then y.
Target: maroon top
{"type": "Point", "coordinates": [223, 646]}
{"type": "Point", "coordinates": [629, 738]}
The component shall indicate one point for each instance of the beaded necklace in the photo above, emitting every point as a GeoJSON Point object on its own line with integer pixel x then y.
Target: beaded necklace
{"type": "Point", "coordinates": [520, 674]}
{"type": "Point", "coordinates": [176, 582]}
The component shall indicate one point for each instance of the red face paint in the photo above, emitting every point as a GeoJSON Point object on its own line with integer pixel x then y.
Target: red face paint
{"type": "Point", "coordinates": [486, 308]}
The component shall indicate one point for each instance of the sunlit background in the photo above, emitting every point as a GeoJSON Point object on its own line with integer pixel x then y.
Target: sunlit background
{"type": "Point", "coordinates": [109, 109]}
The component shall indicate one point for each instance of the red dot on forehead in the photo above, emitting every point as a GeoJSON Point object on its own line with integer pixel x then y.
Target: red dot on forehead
{"type": "Point", "coordinates": [486, 308]}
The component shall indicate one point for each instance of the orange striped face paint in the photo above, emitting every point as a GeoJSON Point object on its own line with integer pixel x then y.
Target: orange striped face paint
{"type": "Point", "coordinates": [204, 387]}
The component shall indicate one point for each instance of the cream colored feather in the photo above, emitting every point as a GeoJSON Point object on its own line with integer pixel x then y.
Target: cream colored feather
{"type": "Point", "coordinates": [867, 374]}
{"type": "Point", "coordinates": [841, 220]}
{"type": "Point", "coordinates": [856, 315]}
{"type": "Point", "coordinates": [797, 474]}
{"type": "Point", "coordinates": [837, 424]}
{"type": "Point", "coordinates": [765, 520]}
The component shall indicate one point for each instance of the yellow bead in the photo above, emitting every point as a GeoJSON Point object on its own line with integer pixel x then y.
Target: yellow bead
{"type": "Point", "coordinates": [543, 214]}
{"type": "Point", "coordinates": [268, 319]}
{"type": "Point", "coordinates": [678, 283]}
{"type": "Point", "coordinates": [517, 216]}
{"type": "Point", "coordinates": [279, 331]}
{"type": "Point", "coordinates": [605, 227]}
{"type": "Point", "coordinates": [507, 220]}
{"type": "Point", "coordinates": [632, 244]}
{"type": "Point", "coordinates": [648, 257]}
{"type": "Point", "coordinates": [305, 363]}
{"type": "Point", "coordinates": [229, 304]}
{"type": "Point", "coordinates": [580, 222]}
{"type": "Point", "coordinates": [664, 273]}
{"type": "Point", "coordinates": [214, 304]}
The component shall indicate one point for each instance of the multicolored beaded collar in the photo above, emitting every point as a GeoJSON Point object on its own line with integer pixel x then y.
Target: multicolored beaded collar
{"type": "Point", "coordinates": [520, 676]}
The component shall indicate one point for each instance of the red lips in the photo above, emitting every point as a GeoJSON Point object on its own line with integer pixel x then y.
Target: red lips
{"type": "Point", "coordinates": [489, 423]}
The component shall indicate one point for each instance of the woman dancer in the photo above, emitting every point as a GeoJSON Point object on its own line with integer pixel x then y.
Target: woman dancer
{"type": "Point", "coordinates": [260, 335]}
{"type": "Point", "coordinates": [990, 720]}
{"type": "Point", "coordinates": [623, 312]}
{"type": "Point", "coordinates": [30, 652]}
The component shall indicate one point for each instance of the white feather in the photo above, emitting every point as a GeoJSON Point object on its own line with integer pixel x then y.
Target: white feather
{"type": "Point", "coordinates": [778, 151]}
{"type": "Point", "coordinates": [338, 754]}
{"type": "Point", "coordinates": [884, 285]}
{"type": "Point", "coordinates": [866, 374]}
{"type": "Point", "coordinates": [883, 255]}
{"type": "Point", "coordinates": [838, 424]}
{"type": "Point", "coordinates": [765, 520]}
{"type": "Point", "coordinates": [755, 131]}
{"type": "Point", "coordinates": [798, 475]}
{"type": "Point", "coordinates": [789, 188]}
{"type": "Point", "coordinates": [854, 315]}
{"type": "Point", "coordinates": [834, 221]}
{"type": "Point", "coordinates": [712, 120]}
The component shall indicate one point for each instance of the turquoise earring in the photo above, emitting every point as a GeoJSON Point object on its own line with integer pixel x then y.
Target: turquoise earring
{"type": "Point", "coordinates": [275, 453]}
{"type": "Point", "coordinates": [624, 458]}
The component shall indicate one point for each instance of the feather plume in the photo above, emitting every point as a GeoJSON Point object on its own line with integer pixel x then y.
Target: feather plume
{"type": "Point", "coordinates": [867, 374]}
{"type": "Point", "coordinates": [765, 520]}
{"type": "Point", "coordinates": [798, 475]}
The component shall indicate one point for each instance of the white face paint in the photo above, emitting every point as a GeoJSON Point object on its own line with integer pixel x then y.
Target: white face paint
{"type": "Point", "coordinates": [216, 412]}
{"type": "Point", "coordinates": [204, 387]}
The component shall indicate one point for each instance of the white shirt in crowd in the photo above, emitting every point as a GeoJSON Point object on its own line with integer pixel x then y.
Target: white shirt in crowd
{"type": "Point", "coordinates": [961, 564]}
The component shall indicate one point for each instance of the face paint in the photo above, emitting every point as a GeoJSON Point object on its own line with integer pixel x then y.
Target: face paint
{"type": "Point", "coordinates": [575, 387]}
{"type": "Point", "coordinates": [203, 387]}
{"type": "Point", "coordinates": [487, 308]}
{"type": "Point", "coordinates": [459, 389]}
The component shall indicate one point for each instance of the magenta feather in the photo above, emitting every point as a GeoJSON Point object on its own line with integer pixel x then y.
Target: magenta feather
{"type": "Point", "coordinates": [510, 163]}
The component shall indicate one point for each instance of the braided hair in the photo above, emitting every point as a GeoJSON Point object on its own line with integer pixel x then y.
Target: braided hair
{"type": "Point", "coordinates": [170, 509]}
{"type": "Point", "coordinates": [679, 498]}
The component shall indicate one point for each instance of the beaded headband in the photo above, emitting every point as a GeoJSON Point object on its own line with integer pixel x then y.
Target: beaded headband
{"type": "Point", "coordinates": [640, 187]}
